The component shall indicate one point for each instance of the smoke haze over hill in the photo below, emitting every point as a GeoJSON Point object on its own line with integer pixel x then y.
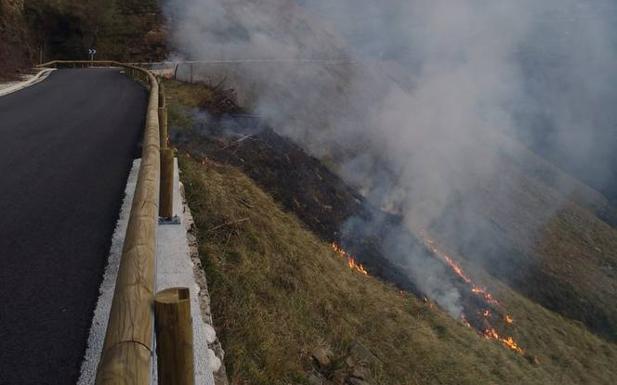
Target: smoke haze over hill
{"type": "Point", "coordinates": [425, 111]}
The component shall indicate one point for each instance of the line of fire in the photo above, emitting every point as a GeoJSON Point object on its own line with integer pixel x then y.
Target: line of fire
{"type": "Point", "coordinates": [482, 311]}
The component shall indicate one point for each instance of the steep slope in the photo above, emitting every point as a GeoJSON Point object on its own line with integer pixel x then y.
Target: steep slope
{"type": "Point", "coordinates": [267, 267]}
{"type": "Point", "coordinates": [280, 295]}
{"type": "Point", "coordinates": [520, 218]}
{"type": "Point", "coordinates": [562, 258]}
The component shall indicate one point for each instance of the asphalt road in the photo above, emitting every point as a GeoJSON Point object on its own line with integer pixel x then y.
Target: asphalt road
{"type": "Point", "coordinates": [66, 147]}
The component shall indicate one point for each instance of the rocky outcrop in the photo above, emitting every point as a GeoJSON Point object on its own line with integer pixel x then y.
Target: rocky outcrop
{"type": "Point", "coordinates": [353, 368]}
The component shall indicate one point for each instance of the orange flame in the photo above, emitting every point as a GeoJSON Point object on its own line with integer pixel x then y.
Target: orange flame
{"type": "Point", "coordinates": [351, 261]}
{"type": "Point", "coordinates": [488, 297]}
{"type": "Point", "coordinates": [506, 341]}
{"type": "Point", "coordinates": [489, 333]}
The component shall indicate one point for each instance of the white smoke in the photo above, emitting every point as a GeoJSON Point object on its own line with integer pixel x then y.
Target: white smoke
{"type": "Point", "coordinates": [418, 101]}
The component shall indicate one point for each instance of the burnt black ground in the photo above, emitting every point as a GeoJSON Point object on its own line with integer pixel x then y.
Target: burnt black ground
{"type": "Point", "coordinates": [66, 147]}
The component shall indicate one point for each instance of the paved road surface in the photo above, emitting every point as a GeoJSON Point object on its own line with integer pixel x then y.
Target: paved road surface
{"type": "Point", "coordinates": [66, 147]}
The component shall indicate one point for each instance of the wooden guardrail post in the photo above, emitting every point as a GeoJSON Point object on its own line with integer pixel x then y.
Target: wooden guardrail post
{"type": "Point", "coordinates": [174, 337]}
{"type": "Point", "coordinates": [166, 205]}
{"type": "Point", "coordinates": [163, 116]}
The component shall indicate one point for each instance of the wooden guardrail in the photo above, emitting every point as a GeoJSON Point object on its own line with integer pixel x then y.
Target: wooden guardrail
{"type": "Point", "coordinates": [128, 346]}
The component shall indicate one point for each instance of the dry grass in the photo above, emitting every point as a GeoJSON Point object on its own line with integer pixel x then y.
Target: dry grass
{"type": "Point", "coordinates": [544, 243]}
{"type": "Point", "coordinates": [181, 97]}
{"type": "Point", "coordinates": [580, 251]}
{"type": "Point", "coordinates": [278, 292]}
{"type": "Point", "coordinates": [187, 96]}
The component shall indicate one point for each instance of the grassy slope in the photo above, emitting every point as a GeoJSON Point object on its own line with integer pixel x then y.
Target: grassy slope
{"type": "Point", "coordinates": [570, 264]}
{"type": "Point", "coordinates": [580, 251]}
{"type": "Point", "coordinates": [278, 292]}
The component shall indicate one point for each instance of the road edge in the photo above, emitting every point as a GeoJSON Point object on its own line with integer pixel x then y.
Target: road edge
{"type": "Point", "coordinates": [98, 327]}
{"type": "Point", "coordinates": [39, 77]}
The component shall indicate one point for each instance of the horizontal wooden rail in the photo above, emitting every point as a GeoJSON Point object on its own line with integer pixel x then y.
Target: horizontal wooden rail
{"type": "Point", "coordinates": [127, 350]}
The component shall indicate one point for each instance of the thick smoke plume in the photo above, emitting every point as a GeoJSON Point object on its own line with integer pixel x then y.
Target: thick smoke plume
{"type": "Point", "coordinates": [425, 105]}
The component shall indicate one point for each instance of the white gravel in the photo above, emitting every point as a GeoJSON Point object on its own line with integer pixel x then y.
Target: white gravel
{"type": "Point", "coordinates": [103, 305]}
{"type": "Point", "coordinates": [29, 80]}
{"type": "Point", "coordinates": [175, 269]}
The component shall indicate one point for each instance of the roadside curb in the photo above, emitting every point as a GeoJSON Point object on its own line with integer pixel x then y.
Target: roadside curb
{"type": "Point", "coordinates": [42, 75]}
{"type": "Point", "coordinates": [175, 267]}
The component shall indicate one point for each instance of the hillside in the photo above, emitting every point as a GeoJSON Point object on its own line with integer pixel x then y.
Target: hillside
{"type": "Point", "coordinates": [16, 49]}
{"type": "Point", "coordinates": [280, 294]}
{"type": "Point", "coordinates": [33, 30]}
{"type": "Point", "coordinates": [265, 265]}
{"type": "Point", "coordinates": [307, 165]}
{"type": "Point", "coordinates": [128, 30]}
{"type": "Point", "coordinates": [568, 266]}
